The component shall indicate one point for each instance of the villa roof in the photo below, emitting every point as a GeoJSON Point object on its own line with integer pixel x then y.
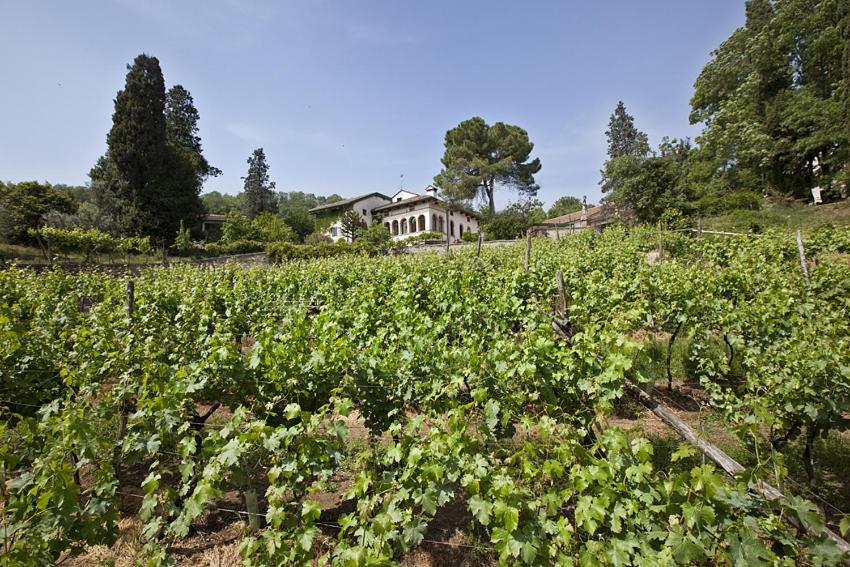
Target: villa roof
{"type": "Point", "coordinates": [346, 202]}
{"type": "Point", "coordinates": [420, 199]}
{"type": "Point", "coordinates": [593, 213]}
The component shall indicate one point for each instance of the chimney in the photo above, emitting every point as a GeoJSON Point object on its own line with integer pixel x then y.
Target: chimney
{"type": "Point", "coordinates": [584, 208]}
{"type": "Point", "coordinates": [431, 191]}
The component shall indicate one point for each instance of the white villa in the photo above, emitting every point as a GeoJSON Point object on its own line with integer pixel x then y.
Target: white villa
{"type": "Point", "coordinates": [404, 214]}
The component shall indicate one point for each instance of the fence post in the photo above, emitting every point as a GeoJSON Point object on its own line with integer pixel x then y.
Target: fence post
{"type": "Point", "coordinates": [557, 233]}
{"type": "Point", "coordinates": [562, 294]}
{"type": "Point", "coordinates": [528, 251]}
{"type": "Point", "coordinates": [699, 228]}
{"type": "Point", "coordinates": [480, 238]}
{"type": "Point", "coordinates": [803, 265]}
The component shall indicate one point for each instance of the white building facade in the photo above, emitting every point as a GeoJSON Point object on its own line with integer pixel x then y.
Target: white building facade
{"type": "Point", "coordinates": [404, 214]}
{"type": "Point", "coordinates": [410, 214]}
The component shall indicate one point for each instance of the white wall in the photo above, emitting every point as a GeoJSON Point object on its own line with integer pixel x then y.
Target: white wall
{"type": "Point", "coordinates": [430, 211]}
{"type": "Point", "coordinates": [363, 208]}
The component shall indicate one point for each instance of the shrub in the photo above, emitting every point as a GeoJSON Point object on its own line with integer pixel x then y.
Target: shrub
{"type": "Point", "coordinates": [269, 227]}
{"type": "Point", "coordinates": [237, 247]}
{"type": "Point", "coordinates": [469, 237]}
{"type": "Point", "coordinates": [376, 235]}
{"type": "Point", "coordinates": [237, 227]}
{"type": "Point", "coordinates": [279, 252]}
{"type": "Point", "coordinates": [317, 238]}
{"type": "Point", "coordinates": [86, 241]}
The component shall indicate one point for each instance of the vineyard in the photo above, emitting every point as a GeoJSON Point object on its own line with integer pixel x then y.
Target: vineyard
{"type": "Point", "coordinates": [337, 406]}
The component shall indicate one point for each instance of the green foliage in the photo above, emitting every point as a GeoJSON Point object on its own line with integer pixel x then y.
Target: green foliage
{"type": "Point", "coordinates": [183, 241]}
{"type": "Point", "coordinates": [259, 190]}
{"type": "Point", "coordinates": [469, 236]}
{"type": "Point", "coordinates": [232, 247]}
{"type": "Point", "coordinates": [514, 221]}
{"type": "Point", "coordinates": [85, 241]}
{"type": "Point", "coordinates": [238, 227]}
{"type": "Point", "coordinates": [479, 157]}
{"type": "Point", "coordinates": [146, 180]}
{"type": "Point", "coordinates": [351, 224]}
{"type": "Point", "coordinates": [271, 228]}
{"type": "Point", "coordinates": [222, 203]}
{"type": "Point", "coordinates": [772, 101]}
{"type": "Point", "coordinates": [284, 251]}
{"type": "Point", "coordinates": [564, 206]}
{"type": "Point", "coordinates": [648, 185]}
{"type": "Point", "coordinates": [24, 205]}
{"type": "Point", "coordinates": [294, 207]}
{"type": "Point", "coordinates": [624, 139]}
{"type": "Point", "coordinates": [738, 200]}
{"type": "Point", "coordinates": [428, 381]}
{"type": "Point", "coordinates": [375, 235]}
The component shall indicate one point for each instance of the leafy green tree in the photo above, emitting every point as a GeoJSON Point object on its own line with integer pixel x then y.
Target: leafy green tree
{"type": "Point", "coordinates": [222, 203]}
{"type": "Point", "coordinates": [375, 234]}
{"type": "Point", "coordinates": [772, 101]}
{"type": "Point", "coordinates": [183, 240]}
{"type": "Point", "coordinates": [24, 205]}
{"type": "Point", "coordinates": [271, 228]}
{"type": "Point", "coordinates": [564, 206]}
{"type": "Point", "coordinates": [479, 158]}
{"type": "Point", "coordinates": [515, 220]}
{"type": "Point", "coordinates": [351, 223]}
{"type": "Point", "coordinates": [294, 207]}
{"type": "Point", "coordinates": [237, 227]}
{"type": "Point", "coordinates": [626, 144]}
{"type": "Point", "coordinates": [650, 185]}
{"type": "Point", "coordinates": [143, 180]}
{"type": "Point", "coordinates": [259, 190]}
{"type": "Point", "coordinates": [624, 139]}
{"type": "Point", "coordinates": [181, 123]}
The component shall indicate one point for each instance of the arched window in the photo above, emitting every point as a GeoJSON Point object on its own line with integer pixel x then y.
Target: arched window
{"type": "Point", "coordinates": [412, 224]}
{"type": "Point", "coordinates": [434, 222]}
{"type": "Point", "coordinates": [386, 224]}
{"type": "Point", "coordinates": [395, 228]}
{"type": "Point", "coordinates": [452, 228]}
{"type": "Point", "coordinates": [421, 222]}
{"type": "Point", "coordinates": [442, 225]}
{"type": "Point", "coordinates": [460, 228]}
{"type": "Point", "coordinates": [404, 226]}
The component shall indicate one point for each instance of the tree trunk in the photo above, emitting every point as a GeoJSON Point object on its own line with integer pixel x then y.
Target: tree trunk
{"type": "Point", "coordinates": [489, 188]}
{"type": "Point", "coordinates": [808, 456]}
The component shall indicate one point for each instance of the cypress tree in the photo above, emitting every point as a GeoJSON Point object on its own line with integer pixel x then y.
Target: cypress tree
{"type": "Point", "coordinates": [259, 191]}
{"type": "Point", "coordinates": [623, 138]}
{"type": "Point", "coordinates": [148, 182]}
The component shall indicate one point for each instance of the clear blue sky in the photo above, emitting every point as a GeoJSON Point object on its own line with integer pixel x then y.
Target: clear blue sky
{"type": "Point", "coordinates": [347, 95]}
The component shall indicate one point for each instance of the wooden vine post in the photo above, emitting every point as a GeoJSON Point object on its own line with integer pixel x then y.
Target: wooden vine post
{"type": "Point", "coordinates": [699, 229]}
{"type": "Point", "coordinates": [562, 293]}
{"type": "Point", "coordinates": [724, 461]}
{"type": "Point", "coordinates": [480, 239]}
{"type": "Point", "coordinates": [528, 251]}
{"type": "Point", "coordinates": [803, 264]}
{"type": "Point", "coordinates": [253, 509]}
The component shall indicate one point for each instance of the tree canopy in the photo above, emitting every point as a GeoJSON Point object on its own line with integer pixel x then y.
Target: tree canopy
{"type": "Point", "coordinates": [479, 158]}
{"type": "Point", "coordinates": [775, 101]}
{"type": "Point", "coordinates": [24, 205]}
{"type": "Point", "coordinates": [259, 190]}
{"type": "Point", "coordinates": [564, 206]}
{"type": "Point", "coordinates": [146, 180]}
